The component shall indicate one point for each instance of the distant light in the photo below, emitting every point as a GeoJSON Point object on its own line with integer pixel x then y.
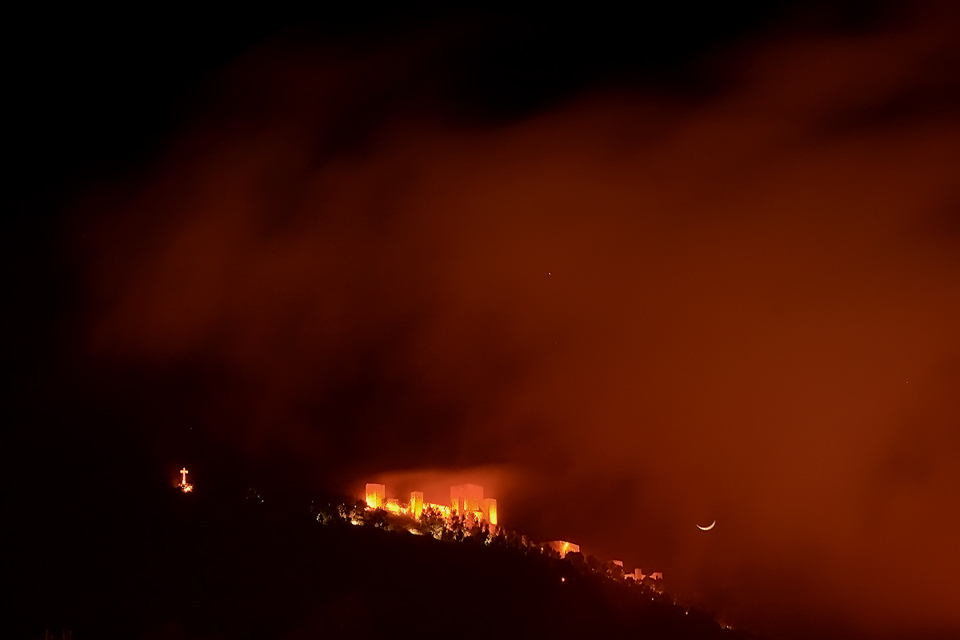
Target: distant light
{"type": "Point", "coordinates": [184, 485]}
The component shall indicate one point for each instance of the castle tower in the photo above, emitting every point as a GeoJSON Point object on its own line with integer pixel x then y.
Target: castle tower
{"type": "Point", "coordinates": [489, 508]}
{"type": "Point", "coordinates": [466, 498]}
{"type": "Point", "coordinates": [456, 500]}
{"type": "Point", "coordinates": [416, 504]}
{"type": "Point", "coordinates": [376, 495]}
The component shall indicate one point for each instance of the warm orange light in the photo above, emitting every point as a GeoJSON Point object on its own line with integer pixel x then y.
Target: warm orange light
{"type": "Point", "coordinates": [185, 486]}
{"type": "Point", "coordinates": [490, 511]}
{"type": "Point", "coordinates": [442, 509]}
{"type": "Point", "coordinates": [563, 547]}
{"type": "Point", "coordinates": [376, 495]}
{"type": "Point", "coordinates": [482, 510]}
{"type": "Point", "coordinates": [416, 504]}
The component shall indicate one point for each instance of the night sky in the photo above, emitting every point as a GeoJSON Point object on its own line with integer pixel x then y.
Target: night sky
{"type": "Point", "coordinates": [633, 272]}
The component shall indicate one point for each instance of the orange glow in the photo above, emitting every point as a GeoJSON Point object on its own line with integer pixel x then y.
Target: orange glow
{"type": "Point", "coordinates": [376, 495]}
{"type": "Point", "coordinates": [393, 506]}
{"type": "Point", "coordinates": [490, 511]}
{"type": "Point", "coordinates": [442, 509]}
{"type": "Point", "coordinates": [185, 486]}
{"type": "Point", "coordinates": [416, 504]}
{"type": "Point", "coordinates": [563, 547]}
{"type": "Point", "coordinates": [466, 501]}
{"type": "Point", "coordinates": [466, 498]}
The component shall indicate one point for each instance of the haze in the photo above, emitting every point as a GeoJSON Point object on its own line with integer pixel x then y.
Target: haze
{"type": "Point", "coordinates": [634, 311]}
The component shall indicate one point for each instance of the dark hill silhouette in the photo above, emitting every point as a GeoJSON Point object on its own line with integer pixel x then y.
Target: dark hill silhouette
{"type": "Point", "coordinates": [204, 567]}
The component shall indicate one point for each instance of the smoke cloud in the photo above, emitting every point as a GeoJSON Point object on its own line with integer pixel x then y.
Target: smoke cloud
{"type": "Point", "coordinates": [636, 312]}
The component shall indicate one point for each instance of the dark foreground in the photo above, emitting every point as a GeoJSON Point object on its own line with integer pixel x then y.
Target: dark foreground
{"type": "Point", "coordinates": [196, 567]}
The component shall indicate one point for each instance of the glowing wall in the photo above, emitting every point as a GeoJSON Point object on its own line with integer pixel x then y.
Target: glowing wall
{"type": "Point", "coordinates": [467, 502]}
{"type": "Point", "coordinates": [442, 509]}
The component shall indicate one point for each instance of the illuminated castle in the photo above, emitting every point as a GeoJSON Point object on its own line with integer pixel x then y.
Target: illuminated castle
{"type": "Point", "coordinates": [466, 502]}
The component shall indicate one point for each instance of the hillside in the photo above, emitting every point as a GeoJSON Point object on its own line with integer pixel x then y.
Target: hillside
{"type": "Point", "coordinates": [200, 567]}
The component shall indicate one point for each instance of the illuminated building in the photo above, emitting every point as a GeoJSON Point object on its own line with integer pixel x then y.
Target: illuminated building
{"type": "Point", "coordinates": [653, 581]}
{"type": "Point", "coordinates": [466, 500]}
{"type": "Point", "coordinates": [563, 547]}
{"type": "Point", "coordinates": [489, 508]}
{"type": "Point", "coordinates": [376, 495]}
{"type": "Point", "coordinates": [416, 504]}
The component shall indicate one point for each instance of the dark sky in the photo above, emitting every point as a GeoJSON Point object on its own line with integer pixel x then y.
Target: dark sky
{"type": "Point", "coordinates": [632, 272]}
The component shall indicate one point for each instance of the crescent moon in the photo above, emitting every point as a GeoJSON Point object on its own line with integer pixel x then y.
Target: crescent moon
{"type": "Point", "coordinates": [712, 525]}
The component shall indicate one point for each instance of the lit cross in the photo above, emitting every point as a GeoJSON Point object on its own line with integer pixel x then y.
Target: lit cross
{"type": "Point", "coordinates": [184, 473]}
